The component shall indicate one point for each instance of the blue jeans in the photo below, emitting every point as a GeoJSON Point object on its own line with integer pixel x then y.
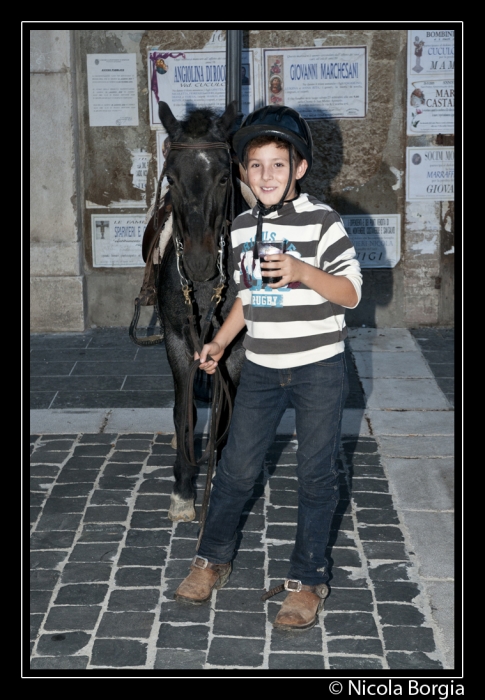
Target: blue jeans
{"type": "Point", "coordinates": [317, 392]}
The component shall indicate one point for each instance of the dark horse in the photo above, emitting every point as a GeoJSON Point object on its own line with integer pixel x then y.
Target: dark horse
{"type": "Point", "coordinates": [201, 177]}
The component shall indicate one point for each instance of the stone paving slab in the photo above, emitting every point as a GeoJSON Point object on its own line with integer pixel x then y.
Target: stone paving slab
{"type": "Point", "coordinates": [392, 364]}
{"type": "Point", "coordinates": [87, 420]}
{"type": "Point", "coordinates": [417, 446]}
{"type": "Point", "coordinates": [381, 340]}
{"type": "Point", "coordinates": [106, 561]}
{"type": "Point", "coordinates": [410, 423]}
{"type": "Point", "coordinates": [433, 531]}
{"type": "Point", "coordinates": [152, 420]}
{"type": "Point", "coordinates": [437, 346]}
{"type": "Point", "coordinates": [414, 482]}
{"type": "Point", "coordinates": [441, 595]}
{"type": "Point", "coordinates": [404, 394]}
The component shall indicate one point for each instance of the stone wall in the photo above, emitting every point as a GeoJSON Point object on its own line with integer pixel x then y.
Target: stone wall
{"type": "Point", "coordinates": [359, 169]}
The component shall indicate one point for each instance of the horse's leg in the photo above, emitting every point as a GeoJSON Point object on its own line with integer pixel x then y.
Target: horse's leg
{"type": "Point", "coordinates": [183, 493]}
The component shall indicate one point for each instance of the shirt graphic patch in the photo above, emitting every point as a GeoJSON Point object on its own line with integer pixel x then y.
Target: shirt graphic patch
{"type": "Point", "coordinates": [267, 300]}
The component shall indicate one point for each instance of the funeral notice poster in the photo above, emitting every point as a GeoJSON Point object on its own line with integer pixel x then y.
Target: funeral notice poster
{"type": "Point", "coordinates": [112, 89]}
{"type": "Point", "coordinates": [188, 80]}
{"type": "Point", "coordinates": [431, 82]}
{"type": "Point", "coordinates": [431, 52]}
{"type": "Point", "coordinates": [376, 238]}
{"type": "Point", "coordinates": [430, 173]}
{"type": "Point", "coordinates": [321, 83]}
{"type": "Point", "coordinates": [117, 240]}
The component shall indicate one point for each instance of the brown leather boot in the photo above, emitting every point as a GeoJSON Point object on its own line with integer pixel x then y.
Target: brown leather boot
{"type": "Point", "coordinates": [203, 578]}
{"type": "Point", "coordinates": [300, 608]}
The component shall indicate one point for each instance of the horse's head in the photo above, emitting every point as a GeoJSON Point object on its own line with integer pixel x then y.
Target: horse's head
{"type": "Point", "coordinates": [199, 179]}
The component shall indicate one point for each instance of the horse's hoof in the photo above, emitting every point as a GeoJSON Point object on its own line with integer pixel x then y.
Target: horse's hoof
{"type": "Point", "coordinates": [173, 444]}
{"type": "Point", "coordinates": [181, 509]}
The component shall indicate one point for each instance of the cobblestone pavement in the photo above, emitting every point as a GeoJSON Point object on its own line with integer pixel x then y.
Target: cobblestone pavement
{"type": "Point", "coordinates": [106, 560]}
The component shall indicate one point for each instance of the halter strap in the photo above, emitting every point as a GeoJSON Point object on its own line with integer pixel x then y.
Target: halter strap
{"type": "Point", "coordinates": [186, 284]}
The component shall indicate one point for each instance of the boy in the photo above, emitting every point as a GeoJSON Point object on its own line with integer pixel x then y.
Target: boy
{"type": "Point", "coordinates": [294, 356]}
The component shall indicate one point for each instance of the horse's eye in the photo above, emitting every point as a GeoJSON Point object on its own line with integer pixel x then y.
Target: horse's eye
{"type": "Point", "coordinates": [224, 179]}
{"type": "Point", "coordinates": [169, 180]}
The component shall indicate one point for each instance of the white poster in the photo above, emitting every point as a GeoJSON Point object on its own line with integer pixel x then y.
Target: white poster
{"type": "Point", "coordinates": [188, 80]}
{"type": "Point", "coordinates": [112, 89]}
{"type": "Point", "coordinates": [376, 238]}
{"type": "Point", "coordinates": [139, 169]}
{"type": "Point", "coordinates": [430, 173]}
{"type": "Point", "coordinates": [117, 240]}
{"type": "Point", "coordinates": [431, 82]}
{"type": "Point", "coordinates": [431, 51]}
{"type": "Point", "coordinates": [431, 107]}
{"type": "Point", "coordinates": [321, 83]}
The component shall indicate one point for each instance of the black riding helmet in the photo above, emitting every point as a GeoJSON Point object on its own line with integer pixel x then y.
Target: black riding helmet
{"type": "Point", "coordinates": [279, 121]}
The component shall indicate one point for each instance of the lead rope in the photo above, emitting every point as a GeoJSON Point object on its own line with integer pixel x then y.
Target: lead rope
{"type": "Point", "coordinates": [221, 400]}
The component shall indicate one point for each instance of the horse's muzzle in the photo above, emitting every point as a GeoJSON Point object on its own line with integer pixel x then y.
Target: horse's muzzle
{"type": "Point", "coordinates": [200, 268]}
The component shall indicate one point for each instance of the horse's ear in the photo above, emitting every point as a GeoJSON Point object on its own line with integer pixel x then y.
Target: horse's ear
{"type": "Point", "coordinates": [227, 120]}
{"type": "Point", "coordinates": [169, 122]}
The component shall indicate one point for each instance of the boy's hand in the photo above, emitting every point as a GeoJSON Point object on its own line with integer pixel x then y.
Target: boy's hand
{"type": "Point", "coordinates": [209, 365]}
{"type": "Point", "coordinates": [289, 267]}
{"type": "Point", "coordinates": [335, 288]}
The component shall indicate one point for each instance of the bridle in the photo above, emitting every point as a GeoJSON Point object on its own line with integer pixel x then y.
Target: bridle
{"type": "Point", "coordinates": [221, 397]}
{"type": "Point", "coordinates": [185, 282]}
{"type": "Point", "coordinates": [148, 292]}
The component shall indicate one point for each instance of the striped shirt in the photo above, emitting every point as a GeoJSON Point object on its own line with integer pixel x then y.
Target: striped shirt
{"type": "Point", "coordinates": [294, 325]}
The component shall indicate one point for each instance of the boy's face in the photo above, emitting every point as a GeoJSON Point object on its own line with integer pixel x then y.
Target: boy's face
{"type": "Point", "coordinates": [268, 170]}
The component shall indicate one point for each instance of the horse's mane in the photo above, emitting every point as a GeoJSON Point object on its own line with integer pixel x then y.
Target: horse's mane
{"type": "Point", "coordinates": [198, 123]}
